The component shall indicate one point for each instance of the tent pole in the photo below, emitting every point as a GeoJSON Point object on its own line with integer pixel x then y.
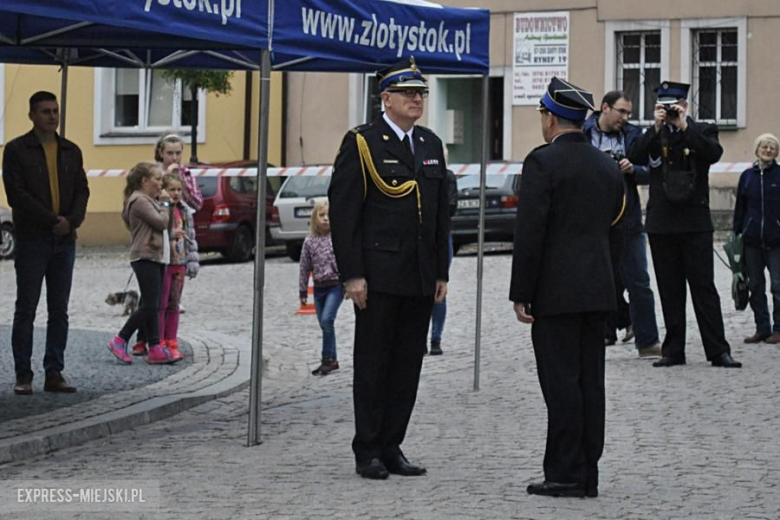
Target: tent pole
{"type": "Point", "coordinates": [259, 283]}
{"type": "Point", "coordinates": [481, 240]}
{"type": "Point", "coordinates": [64, 90]}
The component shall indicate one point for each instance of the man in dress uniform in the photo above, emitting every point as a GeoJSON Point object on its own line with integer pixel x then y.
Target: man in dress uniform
{"type": "Point", "coordinates": [680, 152]}
{"type": "Point", "coordinates": [571, 197]}
{"type": "Point", "coordinates": [389, 220]}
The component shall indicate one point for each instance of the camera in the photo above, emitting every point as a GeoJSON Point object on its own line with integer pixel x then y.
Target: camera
{"type": "Point", "coordinates": [617, 157]}
{"type": "Point", "coordinates": [671, 111]}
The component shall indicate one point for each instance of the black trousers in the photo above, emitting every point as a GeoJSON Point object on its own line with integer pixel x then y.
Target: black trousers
{"type": "Point", "coordinates": [569, 351]}
{"type": "Point", "coordinates": [390, 337]}
{"type": "Point", "coordinates": [146, 318]}
{"type": "Point", "coordinates": [687, 257]}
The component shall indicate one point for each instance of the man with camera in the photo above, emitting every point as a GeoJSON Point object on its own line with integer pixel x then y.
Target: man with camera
{"type": "Point", "coordinates": [680, 152]}
{"type": "Point", "coordinates": [610, 131]}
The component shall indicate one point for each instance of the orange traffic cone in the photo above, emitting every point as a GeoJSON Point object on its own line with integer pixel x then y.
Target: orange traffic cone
{"type": "Point", "coordinates": [308, 308]}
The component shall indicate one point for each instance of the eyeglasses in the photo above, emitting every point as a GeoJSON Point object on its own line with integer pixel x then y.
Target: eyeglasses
{"type": "Point", "coordinates": [410, 93]}
{"type": "Point", "coordinates": [622, 111]}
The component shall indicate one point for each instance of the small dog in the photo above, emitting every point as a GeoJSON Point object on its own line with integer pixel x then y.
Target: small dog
{"type": "Point", "coordinates": [128, 298]}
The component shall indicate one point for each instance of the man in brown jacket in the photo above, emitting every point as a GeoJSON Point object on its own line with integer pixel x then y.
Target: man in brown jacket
{"type": "Point", "coordinates": [47, 190]}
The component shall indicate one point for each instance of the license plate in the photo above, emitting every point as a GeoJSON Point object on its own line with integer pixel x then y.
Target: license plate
{"type": "Point", "coordinates": [303, 212]}
{"type": "Point", "coordinates": [468, 203]}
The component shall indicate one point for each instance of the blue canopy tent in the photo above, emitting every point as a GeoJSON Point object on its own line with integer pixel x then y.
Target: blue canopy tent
{"type": "Point", "coordinates": [137, 34]}
{"type": "Point", "coordinates": [361, 36]}
{"type": "Point", "coordinates": [294, 35]}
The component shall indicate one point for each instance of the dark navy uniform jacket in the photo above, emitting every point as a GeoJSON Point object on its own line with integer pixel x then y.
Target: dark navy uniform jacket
{"type": "Point", "coordinates": [381, 238]}
{"type": "Point", "coordinates": [570, 195]}
{"type": "Point", "coordinates": [695, 148]}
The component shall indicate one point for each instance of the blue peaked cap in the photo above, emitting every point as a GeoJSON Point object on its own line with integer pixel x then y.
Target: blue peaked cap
{"type": "Point", "coordinates": [566, 100]}
{"type": "Point", "coordinates": [403, 74]}
{"type": "Point", "coordinates": [669, 91]}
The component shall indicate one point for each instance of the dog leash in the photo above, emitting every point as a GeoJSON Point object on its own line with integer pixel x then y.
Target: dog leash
{"type": "Point", "coordinates": [132, 273]}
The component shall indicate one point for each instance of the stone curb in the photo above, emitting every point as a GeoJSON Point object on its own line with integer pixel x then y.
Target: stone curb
{"type": "Point", "coordinates": [232, 376]}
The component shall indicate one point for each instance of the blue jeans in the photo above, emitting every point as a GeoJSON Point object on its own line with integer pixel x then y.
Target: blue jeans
{"type": "Point", "coordinates": [439, 314]}
{"type": "Point", "coordinates": [757, 259]}
{"type": "Point", "coordinates": [327, 301]}
{"type": "Point", "coordinates": [36, 259]}
{"type": "Point", "coordinates": [636, 279]}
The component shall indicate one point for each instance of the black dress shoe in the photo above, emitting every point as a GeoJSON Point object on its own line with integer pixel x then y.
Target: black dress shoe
{"type": "Point", "coordinates": [669, 362]}
{"type": "Point", "coordinates": [556, 489]}
{"type": "Point", "coordinates": [373, 469]}
{"type": "Point", "coordinates": [398, 465]}
{"type": "Point", "coordinates": [726, 361]}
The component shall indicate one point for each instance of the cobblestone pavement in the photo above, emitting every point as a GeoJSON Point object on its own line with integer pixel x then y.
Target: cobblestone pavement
{"type": "Point", "coordinates": [691, 442]}
{"type": "Point", "coordinates": [90, 367]}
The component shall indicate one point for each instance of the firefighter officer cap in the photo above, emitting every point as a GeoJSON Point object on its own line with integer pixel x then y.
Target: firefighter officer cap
{"type": "Point", "coordinates": [669, 91]}
{"type": "Point", "coordinates": [403, 74]}
{"type": "Point", "coordinates": [566, 100]}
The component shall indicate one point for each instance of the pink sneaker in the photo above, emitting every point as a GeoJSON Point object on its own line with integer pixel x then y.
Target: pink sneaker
{"type": "Point", "coordinates": [160, 355]}
{"type": "Point", "coordinates": [118, 348]}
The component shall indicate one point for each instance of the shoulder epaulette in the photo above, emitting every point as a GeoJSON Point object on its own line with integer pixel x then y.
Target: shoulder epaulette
{"type": "Point", "coordinates": [361, 128]}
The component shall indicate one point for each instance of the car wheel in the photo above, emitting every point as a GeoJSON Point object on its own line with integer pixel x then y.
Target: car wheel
{"type": "Point", "coordinates": [294, 250]}
{"type": "Point", "coordinates": [241, 246]}
{"type": "Point", "coordinates": [7, 243]}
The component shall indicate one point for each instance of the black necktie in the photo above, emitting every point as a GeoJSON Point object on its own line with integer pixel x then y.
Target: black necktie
{"type": "Point", "coordinates": [407, 144]}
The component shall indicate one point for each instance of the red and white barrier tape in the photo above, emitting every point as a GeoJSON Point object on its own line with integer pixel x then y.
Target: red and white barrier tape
{"type": "Point", "coordinates": [312, 171]}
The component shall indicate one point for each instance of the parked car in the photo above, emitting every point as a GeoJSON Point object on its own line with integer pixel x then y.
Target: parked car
{"type": "Point", "coordinates": [6, 234]}
{"type": "Point", "coordinates": [293, 206]}
{"type": "Point", "coordinates": [226, 222]}
{"type": "Point", "coordinates": [500, 209]}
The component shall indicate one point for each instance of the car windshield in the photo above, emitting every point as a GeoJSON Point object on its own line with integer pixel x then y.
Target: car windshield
{"type": "Point", "coordinates": [208, 186]}
{"type": "Point", "coordinates": [491, 182]}
{"type": "Point", "coordinates": [305, 187]}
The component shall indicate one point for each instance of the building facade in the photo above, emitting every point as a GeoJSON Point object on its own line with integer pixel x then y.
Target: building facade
{"type": "Point", "coordinates": [725, 49]}
{"type": "Point", "coordinates": [116, 116]}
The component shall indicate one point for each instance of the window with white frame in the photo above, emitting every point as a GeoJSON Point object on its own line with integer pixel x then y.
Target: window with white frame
{"type": "Point", "coordinates": [712, 59]}
{"type": "Point", "coordinates": [714, 88]}
{"type": "Point", "coordinates": [638, 57]}
{"type": "Point", "coordinates": [135, 105]}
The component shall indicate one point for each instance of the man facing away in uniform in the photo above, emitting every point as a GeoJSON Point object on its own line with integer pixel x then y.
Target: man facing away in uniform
{"type": "Point", "coordinates": [389, 221]}
{"type": "Point", "coordinates": [609, 131]}
{"type": "Point", "coordinates": [47, 190]}
{"type": "Point", "coordinates": [680, 152]}
{"type": "Point", "coordinates": [571, 197]}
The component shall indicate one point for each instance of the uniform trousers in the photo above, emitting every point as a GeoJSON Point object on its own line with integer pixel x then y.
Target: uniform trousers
{"type": "Point", "coordinates": [390, 336]}
{"type": "Point", "coordinates": [569, 351]}
{"type": "Point", "coordinates": [687, 257]}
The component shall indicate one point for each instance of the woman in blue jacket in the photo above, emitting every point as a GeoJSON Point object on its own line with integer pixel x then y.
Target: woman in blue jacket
{"type": "Point", "coordinates": [757, 217]}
